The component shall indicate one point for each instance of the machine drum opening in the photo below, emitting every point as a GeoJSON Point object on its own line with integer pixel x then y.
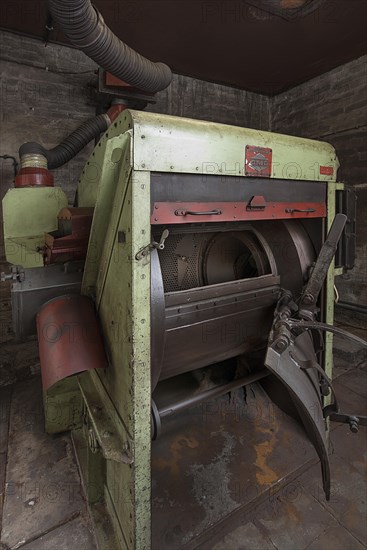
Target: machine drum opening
{"type": "Point", "coordinates": [233, 256]}
{"type": "Point", "coordinates": [194, 260]}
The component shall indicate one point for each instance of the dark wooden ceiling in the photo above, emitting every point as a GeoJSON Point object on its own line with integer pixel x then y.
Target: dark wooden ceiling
{"type": "Point", "coordinates": [228, 41]}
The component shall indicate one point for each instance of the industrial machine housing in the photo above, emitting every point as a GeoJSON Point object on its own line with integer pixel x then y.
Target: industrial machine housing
{"type": "Point", "coordinates": [200, 234]}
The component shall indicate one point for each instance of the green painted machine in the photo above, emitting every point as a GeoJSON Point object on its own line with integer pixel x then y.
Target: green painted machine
{"type": "Point", "coordinates": [208, 278]}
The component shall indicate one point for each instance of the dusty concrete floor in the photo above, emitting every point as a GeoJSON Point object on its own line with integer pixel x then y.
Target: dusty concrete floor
{"type": "Point", "coordinates": [43, 507]}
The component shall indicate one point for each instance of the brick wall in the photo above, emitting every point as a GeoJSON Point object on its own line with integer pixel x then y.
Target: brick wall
{"type": "Point", "coordinates": [47, 92]}
{"type": "Point", "coordinates": [192, 98]}
{"type": "Point", "coordinates": [333, 108]}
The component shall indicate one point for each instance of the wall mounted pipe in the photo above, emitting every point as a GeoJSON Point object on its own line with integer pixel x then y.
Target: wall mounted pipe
{"type": "Point", "coordinates": [84, 26]}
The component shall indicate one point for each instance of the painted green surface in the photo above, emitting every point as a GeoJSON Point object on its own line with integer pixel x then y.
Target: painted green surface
{"type": "Point", "coordinates": [123, 300]}
{"type": "Point", "coordinates": [101, 167]}
{"type": "Point", "coordinates": [330, 282]}
{"type": "Point", "coordinates": [173, 144]}
{"type": "Point", "coordinates": [28, 214]}
{"type": "Point", "coordinates": [24, 250]}
{"type": "Point", "coordinates": [110, 197]}
{"type": "Point", "coordinates": [63, 406]}
{"type": "Point", "coordinates": [120, 286]}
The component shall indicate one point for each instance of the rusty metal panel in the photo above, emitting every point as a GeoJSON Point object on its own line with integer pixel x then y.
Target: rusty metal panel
{"type": "Point", "coordinates": [69, 339]}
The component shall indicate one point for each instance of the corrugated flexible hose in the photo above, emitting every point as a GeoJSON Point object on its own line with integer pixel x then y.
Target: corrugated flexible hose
{"type": "Point", "coordinates": [86, 29]}
{"type": "Point", "coordinates": [72, 145]}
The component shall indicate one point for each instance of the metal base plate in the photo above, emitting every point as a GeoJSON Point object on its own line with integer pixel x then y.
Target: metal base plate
{"type": "Point", "coordinates": [216, 462]}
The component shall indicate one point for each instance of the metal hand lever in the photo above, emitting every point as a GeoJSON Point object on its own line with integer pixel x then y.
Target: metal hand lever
{"type": "Point", "coordinates": [159, 246]}
{"type": "Point", "coordinates": [319, 273]}
{"type": "Point", "coordinates": [192, 213]}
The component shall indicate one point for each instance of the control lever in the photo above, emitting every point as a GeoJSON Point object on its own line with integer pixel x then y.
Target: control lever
{"type": "Point", "coordinates": [153, 245]}
{"type": "Point", "coordinates": [284, 334]}
{"type": "Point", "coordinates": [291, 356]}
{"type": "Point", "coordinates": [311, 292]}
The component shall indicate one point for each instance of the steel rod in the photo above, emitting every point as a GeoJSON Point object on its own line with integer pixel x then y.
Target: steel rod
{"type": "Point", "coordinates": [217, 391]}
{"type": "Point", "coordinates": [327, 328]}
{"type": "Point", "coordinates": [352, 307]}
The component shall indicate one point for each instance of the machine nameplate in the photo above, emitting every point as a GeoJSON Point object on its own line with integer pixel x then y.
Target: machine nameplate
{"type": "Point", "coordinates": [258, 161]}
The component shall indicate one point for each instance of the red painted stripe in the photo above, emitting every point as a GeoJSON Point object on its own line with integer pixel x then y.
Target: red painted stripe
{"type": "Point", "coordinates": [164, 212]}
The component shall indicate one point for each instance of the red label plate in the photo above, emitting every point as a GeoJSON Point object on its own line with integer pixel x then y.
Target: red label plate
{"type": "Point", "coordinates": [326, 170]}
{"type": "Point", "coordinates": [258, 161]}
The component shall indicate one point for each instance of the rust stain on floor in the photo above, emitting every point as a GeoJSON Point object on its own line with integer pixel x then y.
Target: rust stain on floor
{"type": "Point", "coordinates": [264, 450]}
{"type": "Point", "coordinates": [293, 513]}
{"type": "Point", "coordinates": [179, 444]}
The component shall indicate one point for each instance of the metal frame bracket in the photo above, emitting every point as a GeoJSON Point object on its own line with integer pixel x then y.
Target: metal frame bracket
{"type": "Point", "coordinates": [108, 432]}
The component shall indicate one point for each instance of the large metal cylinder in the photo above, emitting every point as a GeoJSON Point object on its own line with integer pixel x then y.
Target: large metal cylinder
{"type": "Point", "coordinates": [69, 338]}
{"type": "Point", "coordinates": [214, 291]}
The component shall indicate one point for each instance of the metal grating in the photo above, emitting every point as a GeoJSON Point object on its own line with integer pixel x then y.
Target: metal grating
{"type": "Point", "coordinates": [181, 261]}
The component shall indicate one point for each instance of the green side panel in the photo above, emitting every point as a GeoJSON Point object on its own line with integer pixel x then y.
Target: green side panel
{"type": "Point", "coordinates": [101, 168]}
{"type": "Point", "coordinates": [121, 287]}
{"type": "Point", "coordinates": [330, 281]}
{"type": "Point", "coordinates": [115, 171]}
{"type": "Point", "coordinates": [124, 309]}
{"type": "Point", "coordinates": [63, 406]}
{"type": "Point", "coordinates": [28, 214]}
{"type": "Point", "coordinates": [24, 250]}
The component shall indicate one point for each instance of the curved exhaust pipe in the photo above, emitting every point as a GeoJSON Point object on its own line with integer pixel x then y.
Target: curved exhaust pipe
{"type": "Point", "coordinates": [69, 147]}
{"type": "Point", "coordinates": [85, 28]}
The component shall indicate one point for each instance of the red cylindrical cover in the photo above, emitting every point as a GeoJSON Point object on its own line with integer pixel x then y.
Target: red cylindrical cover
{"type": "Point", "coordinates": [69, 338]}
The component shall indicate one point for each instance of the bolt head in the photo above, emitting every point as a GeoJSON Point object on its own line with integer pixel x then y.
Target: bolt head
{"type": "Point", "coordinates": [308, 299]}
